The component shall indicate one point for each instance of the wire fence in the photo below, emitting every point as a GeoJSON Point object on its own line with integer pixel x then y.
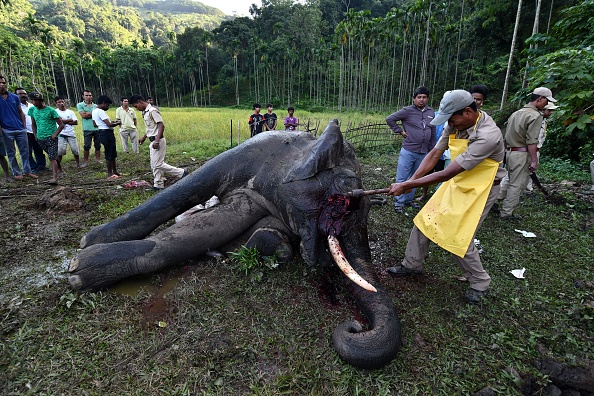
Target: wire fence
{"type": "Point", "coordinates": [368, 136]}
{"type": "Point", "coordinates": [362, 135]}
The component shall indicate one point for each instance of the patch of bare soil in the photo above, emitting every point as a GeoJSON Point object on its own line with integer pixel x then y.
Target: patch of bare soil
{"type": "Point", "coordinates": [42, 225]}
{"type": "Point", "coordinates": [60, 200]}
{"type": "Point", "coordinates": [36, 223]}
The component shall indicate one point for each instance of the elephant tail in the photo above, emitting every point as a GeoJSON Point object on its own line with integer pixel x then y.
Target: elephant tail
{"type": "Point", "coordinates": [372, 347]}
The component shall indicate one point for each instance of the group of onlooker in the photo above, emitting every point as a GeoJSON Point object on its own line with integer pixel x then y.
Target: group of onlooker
{"type": "Point", "coordinates": [38, 129]}
{"type": "Point", "coordinates": [268, 121]}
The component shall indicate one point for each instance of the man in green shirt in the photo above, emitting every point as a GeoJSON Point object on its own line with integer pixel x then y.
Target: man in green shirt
{"type": "Point", "coordinates": [90, 131]}
{"type": "Point", "coordinates": [47, 125]}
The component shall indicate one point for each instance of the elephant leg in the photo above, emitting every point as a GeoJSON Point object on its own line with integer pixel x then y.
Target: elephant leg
{"type": "Point", "coordinates": [101, 265]}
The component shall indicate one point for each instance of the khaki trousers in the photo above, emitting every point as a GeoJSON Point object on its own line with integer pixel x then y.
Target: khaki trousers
{"type": "Point", "coordinates": [418, 246]}
{"type": "Point", "coordinates": [133, 135]}
{"type": "Point", "coordinates": [160, 167]}
{"type": "Point", "coordinates": [517, 169]}
{"type": "Point", "coordinates": [505, 183]}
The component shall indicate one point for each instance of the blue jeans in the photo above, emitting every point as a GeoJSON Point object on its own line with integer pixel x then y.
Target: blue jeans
{"type": "Point", "coordinates": [408, 163]}
{"type": "Point", "coordinates": [22, 142]}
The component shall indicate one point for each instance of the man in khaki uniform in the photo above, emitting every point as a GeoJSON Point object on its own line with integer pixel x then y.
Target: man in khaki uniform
{"type": "Point", "coordinates": [546, 113]}
{"type": "Point", "coordinates": [474, 136]}
{"type": "Point", "coordinates": [521, 139]}
{"type": "Point", "coordinates": [155, 129]}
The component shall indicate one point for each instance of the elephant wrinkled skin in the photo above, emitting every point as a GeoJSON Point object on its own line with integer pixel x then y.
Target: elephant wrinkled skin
{"type": "Point", "coordinates": [276, 188]}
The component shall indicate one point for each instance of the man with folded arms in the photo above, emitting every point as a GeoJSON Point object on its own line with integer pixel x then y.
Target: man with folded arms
{"type": "Point", "coordinates": [521, 140]}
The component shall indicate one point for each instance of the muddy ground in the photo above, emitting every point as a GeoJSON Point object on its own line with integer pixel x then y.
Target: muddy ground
{"type": "Point", "coordinates": [42, 225]}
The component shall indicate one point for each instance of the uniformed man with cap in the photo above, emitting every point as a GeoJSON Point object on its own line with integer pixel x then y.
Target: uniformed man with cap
{"type": "Point", "coordinates": [470, 187]}
{"type": "Point", "coordinates": [521, 140]}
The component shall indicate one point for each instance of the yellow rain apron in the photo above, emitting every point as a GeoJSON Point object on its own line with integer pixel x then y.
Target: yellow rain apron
{"type": "Point", "coordinates": [451, 216]}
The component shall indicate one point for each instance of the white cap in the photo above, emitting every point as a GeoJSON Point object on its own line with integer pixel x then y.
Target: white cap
{"type": "Point", "coordinates": [544, 91]}
{"type": "Point", "coordinates": [452, 102]}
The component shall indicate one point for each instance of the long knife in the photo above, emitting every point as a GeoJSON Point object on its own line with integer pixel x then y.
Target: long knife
{"type": "Point", "coordinates": [537, 183]}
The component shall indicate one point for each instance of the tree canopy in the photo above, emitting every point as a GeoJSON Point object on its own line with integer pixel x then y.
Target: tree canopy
{"type": "Point", "coordinates": [364, 55]}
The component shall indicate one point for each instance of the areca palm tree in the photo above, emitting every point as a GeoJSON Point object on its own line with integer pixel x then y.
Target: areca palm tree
{"type": "Point", "coordinates": [511, 55]}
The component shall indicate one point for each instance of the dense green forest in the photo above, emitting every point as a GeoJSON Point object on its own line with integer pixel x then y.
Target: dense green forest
{"type": "Point", "coordinates": [363, 55]}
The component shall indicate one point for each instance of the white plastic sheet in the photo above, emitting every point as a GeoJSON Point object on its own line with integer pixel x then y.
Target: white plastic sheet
{"type": "Point", "coordinates": [526, 234]}
{"type": "Point", "coordinates": [518, 273]}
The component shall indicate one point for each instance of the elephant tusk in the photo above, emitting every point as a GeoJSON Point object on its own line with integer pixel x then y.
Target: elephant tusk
{"type": "Point", "coordinates": [344, 265]}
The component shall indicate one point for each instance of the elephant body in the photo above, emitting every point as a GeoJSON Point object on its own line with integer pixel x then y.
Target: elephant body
{"type": "Point", "coordinates": [277, 189]}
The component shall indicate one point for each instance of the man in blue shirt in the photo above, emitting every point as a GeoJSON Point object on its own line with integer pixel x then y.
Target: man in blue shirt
{"type": "Point", "coordinates": [12, 122]}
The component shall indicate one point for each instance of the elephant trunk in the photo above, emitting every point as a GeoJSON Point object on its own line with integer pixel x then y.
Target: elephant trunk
{"type": "Point", "coordinates": [375, 344]}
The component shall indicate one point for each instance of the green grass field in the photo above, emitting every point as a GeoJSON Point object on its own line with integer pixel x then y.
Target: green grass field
{"type": "Point", "coordinates": [207, 328]}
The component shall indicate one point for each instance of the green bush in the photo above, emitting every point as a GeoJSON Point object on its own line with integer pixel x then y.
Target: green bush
{"type": "Point", "coordinates": [564, 62]}
{"type": "Point", "coordinates": [248, 260]}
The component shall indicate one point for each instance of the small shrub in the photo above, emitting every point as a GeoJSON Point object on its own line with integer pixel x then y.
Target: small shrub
{"type": "Point", "coordinates": [248, 260]}
{"type": "Point", "coordinates": [557, 169]}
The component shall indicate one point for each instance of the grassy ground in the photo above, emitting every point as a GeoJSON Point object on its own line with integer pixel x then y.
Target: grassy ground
{"type": "Point", "coordinates": [207, 329]}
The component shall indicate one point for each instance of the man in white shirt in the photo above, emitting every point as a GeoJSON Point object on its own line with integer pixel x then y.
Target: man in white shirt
{"type": "Point", "coordinates": [67, 137]}
{"type": "Point", "coordinates": [106, 136]}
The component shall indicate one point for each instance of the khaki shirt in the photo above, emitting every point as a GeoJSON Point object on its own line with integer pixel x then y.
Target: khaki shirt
{"type": "Point", "coordinates": [151, 118]}
{"type": "Point", "coordinates": [523, 127]}
{"type": "Point", "coordinates": [484, 141]}
{"type": "Point", "coordinates": [127, 117]}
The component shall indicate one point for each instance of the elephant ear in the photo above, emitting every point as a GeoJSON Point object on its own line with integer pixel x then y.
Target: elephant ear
{"type": "Point", "coordinates": [325, 153]}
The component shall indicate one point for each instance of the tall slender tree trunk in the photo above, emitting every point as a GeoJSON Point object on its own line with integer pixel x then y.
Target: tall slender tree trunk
{"type": "Point", "coordinates": [535, 28]}
{"type": "Point", "coordinates": [550, 16]}
{"type": "Point", "coordinates": [426, 48]}
{"type": "Point", "coordinates": [393, 73]}
{"type": "Point", "coordinates": [53, 72]}
{"type": "Point", "coordinates": [459, 40]}
{"type": "Point", "coordinates": [207, 74]}
{"type": "Point", "coordinates": [511, 56]}
{"type": "Point", "coordinates": [341, 79]}
{"type": "Point", "coordinates": [236, 78]}
{"type": "Point", "coordinates": [65, 79]}
{"type": "Point", "coordinates": [402, 69]}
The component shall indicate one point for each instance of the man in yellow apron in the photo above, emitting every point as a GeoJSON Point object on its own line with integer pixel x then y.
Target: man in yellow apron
{"type": "Point", "coordinates": [470, 187]}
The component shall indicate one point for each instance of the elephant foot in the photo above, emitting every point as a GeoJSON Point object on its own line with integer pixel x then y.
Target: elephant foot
{"type": "Point", "coordinates": [99, 266]}
{"type": "Point", "coordinates": [271, 242]}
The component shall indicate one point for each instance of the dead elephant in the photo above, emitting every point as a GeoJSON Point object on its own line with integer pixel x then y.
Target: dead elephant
{"type": "Point", "coordinates": [286, 189]}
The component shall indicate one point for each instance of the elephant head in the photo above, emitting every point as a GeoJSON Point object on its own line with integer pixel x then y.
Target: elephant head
{"type": "Point", "coordinates": [279, 189]}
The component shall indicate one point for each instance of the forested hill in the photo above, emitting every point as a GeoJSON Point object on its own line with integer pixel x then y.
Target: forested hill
{"type": "Point", "coordinates": [121, 22]}
{"type": "Point", "coordinates": [171, 6]}
{"type": "Point", "coordinates": [360, 55]}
